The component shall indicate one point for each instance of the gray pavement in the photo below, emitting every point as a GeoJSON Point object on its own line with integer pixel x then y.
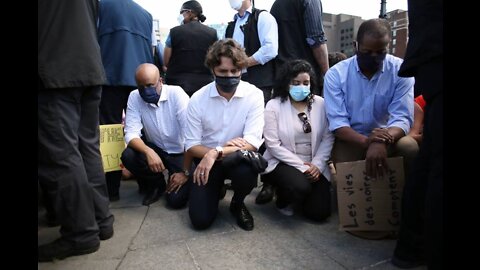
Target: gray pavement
{"type": "Point", "coordinates": [159, 238]}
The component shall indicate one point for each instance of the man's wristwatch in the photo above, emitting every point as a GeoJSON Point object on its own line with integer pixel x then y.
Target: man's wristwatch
{"type": "Point", "coordinates": [186, 172]}
{"type": "Point", "coordinates": [219, 149]}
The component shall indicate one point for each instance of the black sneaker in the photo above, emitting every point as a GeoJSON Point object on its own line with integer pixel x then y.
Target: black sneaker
{"type": "Point", "coordinates": [61, 248]}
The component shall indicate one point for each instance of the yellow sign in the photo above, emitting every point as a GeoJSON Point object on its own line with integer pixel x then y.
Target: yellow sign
{"type": "Point", "coordinates": [112, 145]}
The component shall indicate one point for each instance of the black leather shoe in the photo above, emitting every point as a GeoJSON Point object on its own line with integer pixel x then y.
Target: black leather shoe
{"type": "Point", "coordinates": [61, 248]}
{"type": "Point", "coordinates": [265, 195]}
{"type": "Point", "coordinates": [244, 218]}
{"type": "Point", "coordinates": [152, 196]}
{"type": "Point", "coordinates": [105, 233]}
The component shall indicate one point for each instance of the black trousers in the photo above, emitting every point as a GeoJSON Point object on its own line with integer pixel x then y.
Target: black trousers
{"type": "Point", "coordinates": [292, 186]}
{"type": "Point", "coordinates": [203, 205]}
{"type": "Point", "coordinates": [421, 228]}
{"type": "Point", "coordinates": [69, 162]}
{"type": "Point", "coordinates": [114, 101]}
{"type": "Point", "coordinates": [136, 163]}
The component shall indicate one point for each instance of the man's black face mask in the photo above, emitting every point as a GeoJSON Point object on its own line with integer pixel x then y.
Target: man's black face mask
{"type": "Point", "coordinates": [370, 62]}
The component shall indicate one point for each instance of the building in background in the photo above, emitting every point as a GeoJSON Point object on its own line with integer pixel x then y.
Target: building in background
{"type": "Point", "coordinates": [341, 31]}
{"type": "Point", "coordinates": [399, 22]}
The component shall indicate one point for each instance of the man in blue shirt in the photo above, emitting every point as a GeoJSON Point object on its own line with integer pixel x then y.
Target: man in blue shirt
{"type": "Point", "coordinates": [369, 107]}
{"type": "Point", "coordinates": [125, 39]}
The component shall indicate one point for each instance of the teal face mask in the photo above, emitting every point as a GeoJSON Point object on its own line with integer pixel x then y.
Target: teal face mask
{"type": "Point", "coordinates": [299, 92]}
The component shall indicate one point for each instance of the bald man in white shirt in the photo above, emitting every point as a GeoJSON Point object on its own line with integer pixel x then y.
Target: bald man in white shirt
{"type": "Point", "coordinates": [160, 110]}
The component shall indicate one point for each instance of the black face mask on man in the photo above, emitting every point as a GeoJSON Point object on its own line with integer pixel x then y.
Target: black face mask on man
{"type": "Point", "coordinates": [369, 62]}
{"type": "Point", "coordinates": [228, 84]}
{"type": "Point", "coordinates": [149, 94]}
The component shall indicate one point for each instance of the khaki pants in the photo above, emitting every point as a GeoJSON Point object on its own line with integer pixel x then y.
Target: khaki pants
{"type": "Point", "coordinates": [406, 147]}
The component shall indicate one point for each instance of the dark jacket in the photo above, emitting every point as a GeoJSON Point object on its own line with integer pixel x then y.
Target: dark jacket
{"type": "Point", "coordinates": [186, 67]}
{"type": "Point", "coordinates": [125, 38]}
{"type": "Point", "coordinates": [258, 75]}
{"type": "Point", "coordinates": [68, 51]}
{"type": "Point", "coordinates": [291, 33]}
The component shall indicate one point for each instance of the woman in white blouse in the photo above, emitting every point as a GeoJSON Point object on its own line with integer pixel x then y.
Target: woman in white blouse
{"type": "Point", "coordinates": [298, 143]}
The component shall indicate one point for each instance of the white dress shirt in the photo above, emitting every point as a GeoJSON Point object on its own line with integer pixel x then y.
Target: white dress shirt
{"type": "Point", "coordinates": [267, 33]}
{"type": "Point", "coordinates": [212, 120]}
{"type": "Point", "coordinates": [163, 125]}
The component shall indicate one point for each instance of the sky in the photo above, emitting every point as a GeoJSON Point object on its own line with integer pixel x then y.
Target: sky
{"type": "Point", "coordinates": [219, 11]}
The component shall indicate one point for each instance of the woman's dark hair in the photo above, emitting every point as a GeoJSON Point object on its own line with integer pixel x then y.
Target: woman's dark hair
{"type": "Point", "coordinates": [289, 71]}
{"type": "Point", "coordinates": [195, 8]}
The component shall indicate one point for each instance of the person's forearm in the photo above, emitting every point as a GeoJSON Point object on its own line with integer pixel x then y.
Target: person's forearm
{"type": "Point", "coordinates": [187, 160]}
{"type": "Point", "coordinates": [349, 135]}
{"type": "Point", "coordinates": [396, 133]}
{"type": "Point", "coordinates": [320, 53]}
{"type": "Point", "coordinates": [138, 145]}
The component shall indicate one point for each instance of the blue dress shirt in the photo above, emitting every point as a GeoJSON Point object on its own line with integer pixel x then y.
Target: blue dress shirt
{"type": "Point", "coordinates": [352, 100]}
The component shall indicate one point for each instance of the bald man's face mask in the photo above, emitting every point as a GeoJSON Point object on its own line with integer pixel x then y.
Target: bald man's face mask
{"type": "Point", "coordinates": [149, 94]}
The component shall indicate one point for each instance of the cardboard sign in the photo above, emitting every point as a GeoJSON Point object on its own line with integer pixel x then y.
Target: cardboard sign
{"type": "Point", "coordinates": [112, 145]}
{"type": "Point", "coordinates": [368, 204]}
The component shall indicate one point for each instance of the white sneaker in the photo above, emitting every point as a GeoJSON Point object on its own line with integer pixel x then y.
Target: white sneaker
{"type": "Point", "coordinates": [287, 211]}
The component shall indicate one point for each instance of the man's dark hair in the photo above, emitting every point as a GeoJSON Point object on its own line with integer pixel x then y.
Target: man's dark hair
{"type": "Point", "coordinates": [377, 28]}
{"type": "Point", "coordinates": [227, 48]}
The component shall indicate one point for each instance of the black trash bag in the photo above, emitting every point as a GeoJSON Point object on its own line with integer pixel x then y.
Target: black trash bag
{"type": "Point", "coordinates": [255, 159]}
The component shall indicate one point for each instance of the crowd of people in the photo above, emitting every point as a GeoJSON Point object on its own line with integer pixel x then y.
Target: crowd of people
{"type": "Point", "coordinates": [269, 87]}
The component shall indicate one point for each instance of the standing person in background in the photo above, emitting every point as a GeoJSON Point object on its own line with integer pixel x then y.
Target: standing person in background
{"type": "Point", "coordinates": [70, 79]}
{"type": "Point", "coordinates": [421, 230]}
{"type": "Point", "coordinates": [125, 32]}
{"type": "Point", "coordinates": [222, 117]}
{"type": "Point", "coordinates": [257, 31]}
{"type": "Point", "coordinates": [301, 35]}
{"type": "Point", "coordinates": [186, 47]}
{"type": "Point", "coordinates": [158, 59]}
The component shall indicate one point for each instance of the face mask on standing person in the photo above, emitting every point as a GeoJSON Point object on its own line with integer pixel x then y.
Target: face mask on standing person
{"type": "Point", "coordinates": [180, 19]}
{"type": "Point", "coordinates": [236, 4]}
